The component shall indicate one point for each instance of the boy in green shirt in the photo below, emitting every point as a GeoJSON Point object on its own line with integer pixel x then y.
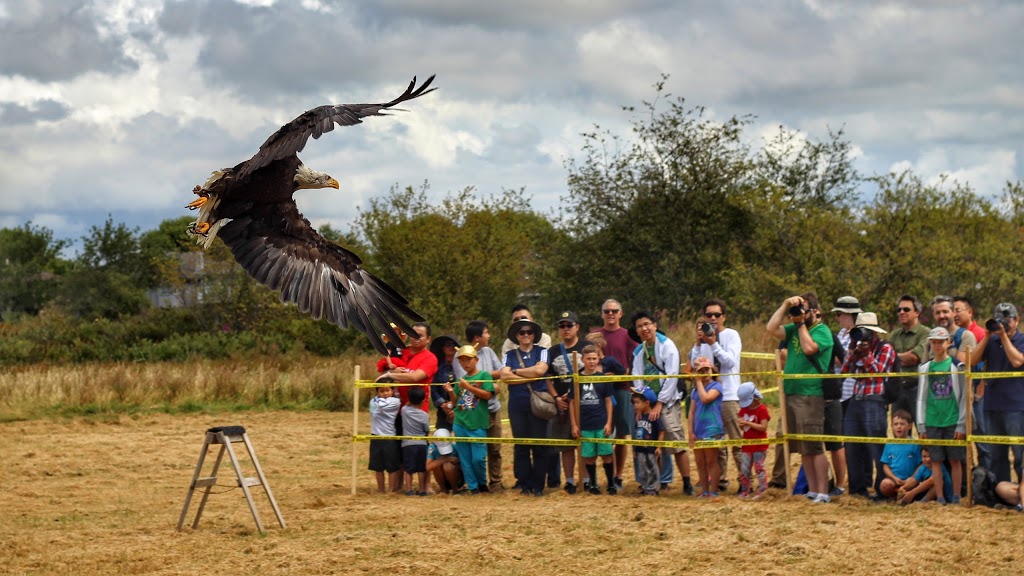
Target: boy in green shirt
{"type": "Point", "coordinates": [942, 410]}
{"type": "Point", "coordinates": [471, 418]}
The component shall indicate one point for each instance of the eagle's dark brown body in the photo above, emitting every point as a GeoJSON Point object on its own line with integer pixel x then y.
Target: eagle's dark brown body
{"type": "Point", "coordinates": [250, 206]}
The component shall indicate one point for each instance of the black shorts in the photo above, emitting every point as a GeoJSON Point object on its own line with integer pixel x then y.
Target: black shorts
{"type": "Point", "coordinates": [385, 455]}
{"type": "Point", "coordinates": [414, 458]}
{"type": "Point", "coordinates": [833, 423]}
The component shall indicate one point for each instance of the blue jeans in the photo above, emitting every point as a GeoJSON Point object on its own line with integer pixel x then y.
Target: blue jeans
{"type": "Point", "coordinates": [472, 456]}
{"type": "Point", "coordinates": [529, 461]}
{"type": "Point", "coordinates": [978, 429]}
{"type": "Point", "coordinates": [864, 418]}
{"type": "Point", "coordinates": [1005, 424]}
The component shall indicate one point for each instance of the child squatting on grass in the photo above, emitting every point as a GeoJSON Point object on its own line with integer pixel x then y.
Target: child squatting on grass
{"type": "Point", "coordinates": [385, 455]}
{"type": "Point", "coordinates": [899, 461]}
{"type": "Point", "coordinates": [705, 423]}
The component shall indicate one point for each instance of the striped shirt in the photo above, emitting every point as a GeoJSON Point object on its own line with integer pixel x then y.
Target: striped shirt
{"type": "Point", "coordinates": [877, 361]}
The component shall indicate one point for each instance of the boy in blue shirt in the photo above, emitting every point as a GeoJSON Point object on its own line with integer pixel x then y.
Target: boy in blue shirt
{"type": "Point", "coordinates": [899, 461]}
{"type": "Point", "coordinates": [922, 485]}
{"type": "Point", "coordinates": [647, 457]}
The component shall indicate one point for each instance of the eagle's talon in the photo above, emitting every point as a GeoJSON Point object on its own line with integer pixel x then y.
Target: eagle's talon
{"type": "Point", "coordinates": [198, 228]}
{"type": "Point", "coordinates": [197, 203]}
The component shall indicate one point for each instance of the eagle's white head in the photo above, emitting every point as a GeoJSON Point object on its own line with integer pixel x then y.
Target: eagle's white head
{"type": "Point", "coordinates": [309, 179]}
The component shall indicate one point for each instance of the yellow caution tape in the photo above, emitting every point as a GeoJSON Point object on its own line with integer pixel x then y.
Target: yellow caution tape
{"type": "Point", "coordinates": [757, 355]}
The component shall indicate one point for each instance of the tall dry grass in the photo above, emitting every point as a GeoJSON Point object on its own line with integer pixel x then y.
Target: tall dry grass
{"type": "Point", "coordinates": [279, 382]}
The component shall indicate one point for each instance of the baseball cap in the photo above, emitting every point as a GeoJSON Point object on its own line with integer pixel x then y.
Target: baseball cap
{"type": "Point", "coordinates": [646, 392]}
{"type": "Point", "coordinates": [938, 333]}
{"type": "Point", "coordinates": [568, 316]}
{"type": "Point", "coordinates": [1005, 310]}
{"type": "Point", "coordinates": [747, 392]}
{"type": "Point", "coordinates": [702, 362]}
{"type": "Point", "coordinates": [443, 446]}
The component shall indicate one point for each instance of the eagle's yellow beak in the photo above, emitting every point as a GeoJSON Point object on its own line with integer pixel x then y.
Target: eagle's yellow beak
{"type": "Point", "coordinates": [332, 183]}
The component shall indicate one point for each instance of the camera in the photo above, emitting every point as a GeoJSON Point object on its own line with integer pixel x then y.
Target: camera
{"type": "Point", "coordinates": [707, 329]}
{"type": "Point", "coordinates": [857, 335]}
{"type": "Point", "coordinates": [995, 325]}
{"type": "Point", "coordinates": [797, 310]}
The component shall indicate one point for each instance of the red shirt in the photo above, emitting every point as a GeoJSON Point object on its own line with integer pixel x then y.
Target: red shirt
{"type": "Point", "coordinates": [620, 346]}
{"type": "Point", "coordinates": [978, 331]}
{"type": "Point", "coordinates": [423, 360]}
{"type": "Point", "coordinates": [759, 414]}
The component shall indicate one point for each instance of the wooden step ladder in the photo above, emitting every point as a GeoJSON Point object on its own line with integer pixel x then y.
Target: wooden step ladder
{"type": "Point", "coordinates": [226, 436]}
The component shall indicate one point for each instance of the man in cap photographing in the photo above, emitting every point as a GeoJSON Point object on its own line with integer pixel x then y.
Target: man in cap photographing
{"type": "Point", "coordinates": [1002, 349]}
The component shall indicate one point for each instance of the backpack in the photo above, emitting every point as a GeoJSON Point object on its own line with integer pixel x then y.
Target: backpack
{"type": "Point", "coordinates": [984, 485]}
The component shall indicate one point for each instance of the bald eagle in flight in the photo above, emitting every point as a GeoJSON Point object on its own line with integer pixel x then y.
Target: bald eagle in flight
{"type": "Point", "coordinates": [251, 208]}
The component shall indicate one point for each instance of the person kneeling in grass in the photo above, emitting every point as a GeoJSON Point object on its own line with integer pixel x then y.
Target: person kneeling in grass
{"type": "Point", "coordinates": [471, 418]}
{"type": "Point", "coordinates": [595, 421]}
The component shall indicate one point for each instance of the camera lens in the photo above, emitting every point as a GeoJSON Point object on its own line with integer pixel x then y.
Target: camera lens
{"type": "Point", "coordinates": [707, 329]}
{"type": "Point", "coordinates": [796, 310]}
{"type": "Point", "coordinates": [856, 335]}
{"type": "Point", "coordinates": [993, 325]}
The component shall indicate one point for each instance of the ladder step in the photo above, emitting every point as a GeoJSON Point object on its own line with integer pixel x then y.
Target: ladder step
{"type": "Point", "coordinates": [212, 481]}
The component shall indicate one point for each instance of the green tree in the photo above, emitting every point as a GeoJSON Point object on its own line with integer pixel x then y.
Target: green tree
{"type": "Point", "coordinates": [110, 275]}
{"type": "Point", "coordinates": [30, 269]}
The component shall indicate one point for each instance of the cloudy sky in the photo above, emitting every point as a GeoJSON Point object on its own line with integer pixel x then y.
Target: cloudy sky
{"type": "Point", "coordinates": [122, 106]}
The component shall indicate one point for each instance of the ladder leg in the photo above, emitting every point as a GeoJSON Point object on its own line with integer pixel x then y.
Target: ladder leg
{"type": "Point", "coordinates": [241, 482]}
{"type": "Point", "coordinates": [206, 492]}
{"type": "Point", "coordinates": [263, 479]}
{"type": "Point", "coordinates": [192, 486]}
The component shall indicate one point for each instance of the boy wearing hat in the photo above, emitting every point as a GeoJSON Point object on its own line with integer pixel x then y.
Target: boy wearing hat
{"type": "Point", "coordinates": [942, 410]}
{"type": "Point", "coordinates": [754, 419]}
{"type": "Point", "coordinates": [442, 462]}
{"type": "Point", "coordinates": [470, 396]}
{"type": "Point", "coordinates": [647, 428]}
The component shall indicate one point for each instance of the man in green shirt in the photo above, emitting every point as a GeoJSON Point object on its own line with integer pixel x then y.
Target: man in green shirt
{"type": "Point", "coordinates": [910, 340]}
{"type": "Point", "coordinates": [809, 351]}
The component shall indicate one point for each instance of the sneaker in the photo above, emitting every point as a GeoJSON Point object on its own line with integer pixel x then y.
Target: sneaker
{"type": "Point", "coordinates": [612, 490]}
{"type": "Point", "coordinates": [941, 501]}
{"type": "Point", "coordinates": [538, 493]}
{"type": "Point", "coordinates": [776, 485]}
{"type": "Point", "coordinates": [421, 493]}
{"type": "Point", "coordinates": [704, 495]}
{"type": "Point", "coordinates": [618, 483]}
{"type": "Point", "coordinates": [1019, 507]}
{"type": "Point", "coordinates": [837, 492]}
{"type": "Point", "coordinates": [664, 485]}
{"type": "Point", "coordinates": [744, 494]}
{"type": "Point", "coordinates": [570, 488]}
{"type": "Point", "coordinates": [410, 493]}
{"type": "Point", "coordinates": [955, 500]}
{"type": "Point", "coordinates": [824, 498]}
{"type": "Point", "coordinates": [760, 492]}
{"type": "Point", "coordinates": [474, 491]}
{"type": "Point", "coordinates": [688, 489]}
{"type": "Point", "coordinates": [595, 490]}
{"type": "Point", "coordinates": [484, 489]}
{"type": "Point", "coordinates": [812, 495]}
{"type": "Point", "coordinates": [524, 492]}
{"type": "Point", "coordinates": [586, 485]}
{"type": "Point", "coordinates": [712, 494]}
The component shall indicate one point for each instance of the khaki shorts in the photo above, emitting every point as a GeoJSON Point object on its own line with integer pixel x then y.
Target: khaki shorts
{"type": "Point", "coordinates": [672, 421]}
{"type": "Point", "coordinates": [806, 415]}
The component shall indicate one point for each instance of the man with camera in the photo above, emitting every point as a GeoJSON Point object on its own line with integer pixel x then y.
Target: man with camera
{"type": "Point", "coordinates": [714, 340]}
{"type": "Point", "coordinates": [910, 340]}
{"type": "Point", "coordinates": [809, 350]}
{"type": "Point", "coordinates": [1002, 349]}
{"type": "Point", "coordinates": [865, 416]}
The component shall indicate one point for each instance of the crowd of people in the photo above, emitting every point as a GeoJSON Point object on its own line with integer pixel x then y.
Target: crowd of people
{"type": "Point", "coordinates": [460, 383]}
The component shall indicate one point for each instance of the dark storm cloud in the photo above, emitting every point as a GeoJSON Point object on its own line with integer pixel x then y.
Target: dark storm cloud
{"type": "Point", "coordinates": [43, 110]}
{"type": "Point", "coordinates": [53, 41]}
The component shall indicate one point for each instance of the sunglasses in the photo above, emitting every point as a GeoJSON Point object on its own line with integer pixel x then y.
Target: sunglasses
{"type": "Point", "coordinates": [610, 311]}
{"type": "Point", "coordinates": [525, 332]}
{"type": "Point", "coordinates": [566, 325]}
{"type": "Point", "coordinates": [713, 314]}
{"type": "Point", "coordinates": [903, 309]}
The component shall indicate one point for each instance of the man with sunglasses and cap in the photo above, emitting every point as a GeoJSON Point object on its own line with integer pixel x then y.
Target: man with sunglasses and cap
{"type": "Point", "coordinates": [1002, 349]}
{"type": "Point", "coordinates": [866, 353]}
{"type": "Point", "coordinates": [561, 369]}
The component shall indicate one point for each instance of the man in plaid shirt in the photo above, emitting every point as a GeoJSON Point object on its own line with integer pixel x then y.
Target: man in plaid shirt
{"type": "Point", "coordinates": [868, 354]}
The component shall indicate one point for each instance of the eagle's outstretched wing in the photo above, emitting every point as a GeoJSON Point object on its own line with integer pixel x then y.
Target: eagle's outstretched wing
{"type": "Point", "coordinates": [292, 137]}
{"type": "Point", "coordinates": [278, 247]}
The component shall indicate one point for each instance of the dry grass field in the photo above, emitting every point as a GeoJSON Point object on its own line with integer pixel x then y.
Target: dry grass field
{"type": "Point", "coordinates": [102, 494]}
